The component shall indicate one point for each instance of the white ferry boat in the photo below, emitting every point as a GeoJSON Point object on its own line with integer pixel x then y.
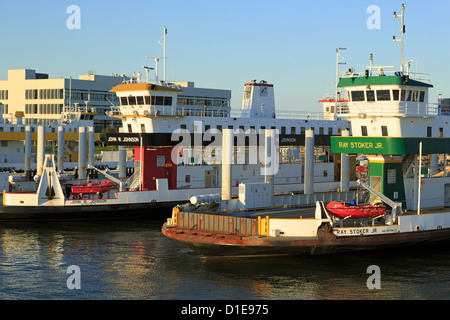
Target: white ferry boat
{"type": "Point", "coordinates": [396, 129]}
{"type": "Point", "coordinates": [177, 153]}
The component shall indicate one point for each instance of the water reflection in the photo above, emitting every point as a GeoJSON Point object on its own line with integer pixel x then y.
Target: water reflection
{"type": "Point", "coordinates": [133, 260]}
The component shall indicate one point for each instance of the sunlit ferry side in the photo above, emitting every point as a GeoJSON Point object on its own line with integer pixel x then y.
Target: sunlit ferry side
{"type": "Point", "coordinates": [153, 123]}
{"type": "Point", "coordinates": [162, 180]}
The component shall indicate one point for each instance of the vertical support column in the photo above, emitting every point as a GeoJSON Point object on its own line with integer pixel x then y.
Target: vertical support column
{"type": "Point", "coordinates": [28, 143]}
{"type": "Point", "coordinates": [60, 149]}
{"type": "Point", "coordinates": [345, 167]}
{"type": "Point", "coordinates": [40, 149]}
{"type": "Point", "coordinates": [122, 162]}
{"type": "Point", "coordinates": [309, 162]}
{"type": "Point", "coordinates": [82, 152]}
{"type": "Point", "coordinates": [269, 159]}
{"type": "Point", "coordinates": [91, 145]}
{"type": "Point", "coordinates": [227, 156]}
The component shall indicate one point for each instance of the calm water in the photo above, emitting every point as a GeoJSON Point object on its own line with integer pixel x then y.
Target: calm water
{"type": "Point", "coordinates": [133, 260]}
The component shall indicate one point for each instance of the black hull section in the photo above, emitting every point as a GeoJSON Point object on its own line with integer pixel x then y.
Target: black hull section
{"type": "Point", "coordinates": [91, 212]}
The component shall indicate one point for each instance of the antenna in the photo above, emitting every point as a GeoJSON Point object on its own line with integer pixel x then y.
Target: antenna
{"type": "Point", "coordinates": [164, 51]}
{"type": "Point", "coordinates": [402, 31]}
{"type": "Point", "coordinates": [164, 56]}
{"type": "Point", "coordinates": [407, 65]}
{"type": "Point", "coordinates": [147, 71]}
{"type": "Point", "coordinates": [339, 58]}
{"type": "Point", "coordinates": [156, 62]}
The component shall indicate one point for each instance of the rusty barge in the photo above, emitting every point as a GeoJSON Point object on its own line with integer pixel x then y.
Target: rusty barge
{"type": "Point", "coordinates": [298, 231]}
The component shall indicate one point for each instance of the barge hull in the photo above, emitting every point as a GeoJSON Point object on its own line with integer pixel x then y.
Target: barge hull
{"type": "Point", "coordinates": [225, 245]}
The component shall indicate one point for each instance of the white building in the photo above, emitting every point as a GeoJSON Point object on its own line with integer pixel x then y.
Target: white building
{"type": "Point", "coordinates": [38, 96]}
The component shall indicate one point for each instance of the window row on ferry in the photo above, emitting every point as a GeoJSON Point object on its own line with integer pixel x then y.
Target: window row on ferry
{"type": "Point", "coordinates": [200, 101]}
{"type": "Point", "coordinates": [386, 95]}
{"type": "Point", "coordinates": [284, 130]}
{"type": "Point", "coordinates": [167, 101]}
{"type": "Point", "coordinates": [146, 100]}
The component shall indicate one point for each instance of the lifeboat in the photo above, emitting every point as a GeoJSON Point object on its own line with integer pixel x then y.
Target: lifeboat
{"type": "Point", "coordinates": [342, 211]}
{"type": "Point", "coordinates": [92, 188]}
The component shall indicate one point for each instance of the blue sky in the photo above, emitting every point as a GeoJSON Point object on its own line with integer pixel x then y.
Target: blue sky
{"type": "Point", "coordinates": [223, 44]}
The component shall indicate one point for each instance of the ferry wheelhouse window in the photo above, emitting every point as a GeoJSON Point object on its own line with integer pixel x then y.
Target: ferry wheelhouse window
{"type": "Point", "coordinates": [132, 101]}
{"type": "Point", "coordinates": [159, 101]}
{"type": "Point", "coordinates": [358, 96]}
{"type": "Point", "coordinates": [409, 95]}
{"type": "Point", "coordinates": [370, 95]}
{"type": "Point", "coordinates": [415, 96]}
{"type": "Point", "coordinates": [124, 101]}
{"type": "Point", "coordinates": [422, 96]}
{"type": "Point", "coordinates": [167, 101]}
{"type": "Point", "coordinates": [140, 100]}
{"type": "Point", "coordinates": [147, 100]}
{"type": "Point", "coordinates": [383, 95]}
{"type": "Point", "coordinates": [403, 95]}
{"type": "Point", "coordinates": [395, 95]}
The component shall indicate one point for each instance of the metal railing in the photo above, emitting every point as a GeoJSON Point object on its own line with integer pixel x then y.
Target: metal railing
{"type": "Point", "coordinates": [287, 114]}
{"type": "Point", "coordinates": [153, 111]}
{"type": "Point", "coordinates": [425, 77]}
{"type": "Point", "coordinates": [404, 108]}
